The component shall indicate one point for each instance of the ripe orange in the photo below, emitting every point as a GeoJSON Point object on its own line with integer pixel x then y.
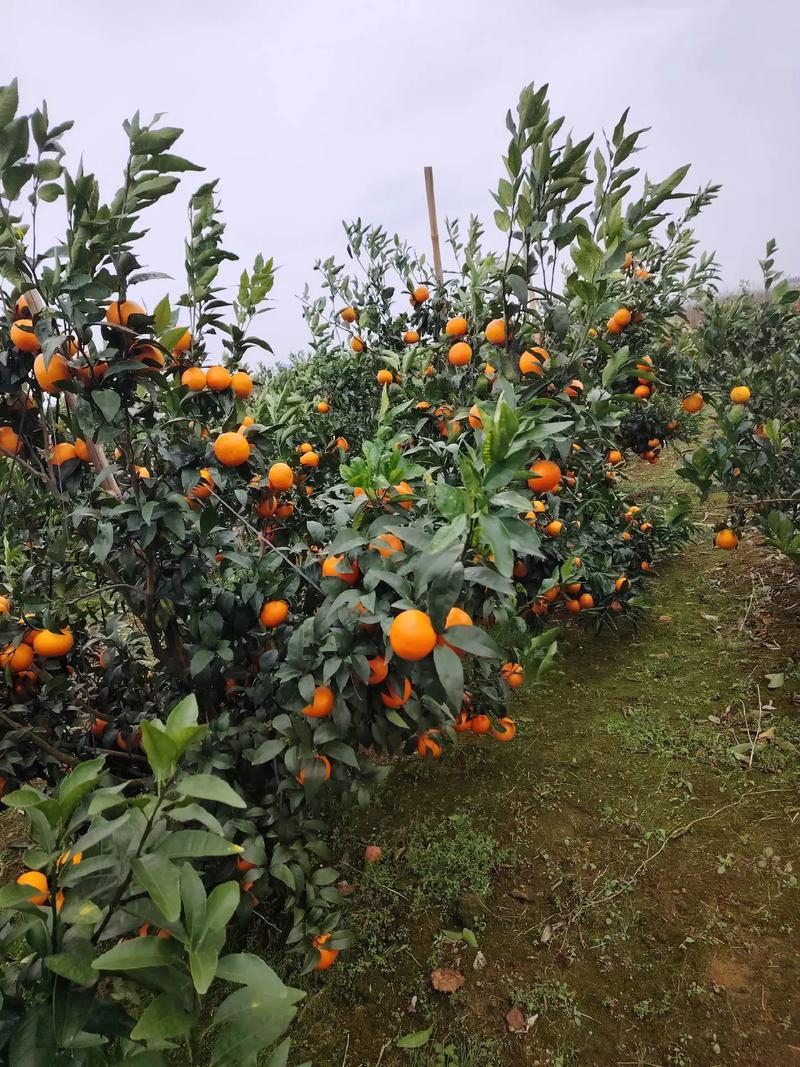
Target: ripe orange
{"type": "Point", "coordinates": [693, 403]}
{"type": "Point", "coordinates": [456, 327]}
{"type": "Point", "coordinates": [411, 337]}
{"type": "Point", "coordinates": [404, 489]}
{"type": "Point", "coordinates": [530, 364]}
{"type": "Point", "coordinates": [384, 376]}
{"type": "Point", "coordinates": [232, 449]}
{"type": "Point", "coordinates": [218, 379]}
{"type": "Point", "coordinates": [17, 658]}
{"type": "Point", "coordinates": [645, 566]}
{"type": "Point", "coordinates": [586, 601]}
{"type": "Point", "coordinates": [617, 606]}
{"type": "Point", "coordinates": [38, 883]}
{"type": "Point", "coordinates": [53, 644]}
{"type": "Point", "coordinates": [183, 343]}
{"type": "Point", "coordinates": [513, 673]}
{"type": "Point", "coordinates": [378, 669]}
{"type": "Point", "coordinates": [421, 294]}
{"type": "Point", "coordinates": [474, 418]}
{"type": "Point", "coordinates": [334, 567]}
{"type": "Point", "coordinates": [273, 613]}
{"type": "Point", "coordinates": [489, 371]}
{"type": "Point", "coordinates": [455, 617]}
{"type": "Point", "coordinates": [283, 511]}
{"type": "Point", "coordinates": [117, 314]}
{"type": "Point", "coordinates": [326, 768]}
{"type": "Point", "coordinates": [51, 376]}
{"type": "Point", "coordinates": [241, 384]}
{"type": "Point", "coordinates": [622, 583]}
{"type": "Point", "coordinates": [323, 407]}
{"type": "Point", "coordinates": [622, 317]}
{"type": "Point", "coordinates": [62, 453]}
{"type": "Point", "coordinates": [194, 378]}
{"type": "Point", "coordinates": [496, 332]}
{"type": "Point", "coordinates": [388, 545]}
{"type": "Point", "coordinates": [460, 354]}
{"type": "Point", "coordinates": [342, 442]}
{"type": "Point", "coordinates": [82, 450]}
{"type": "Point", "coordinates": [740, 394]}
{"type": "Point", "coordinates": [265, 507]}
{"type": "Point", "coordinates": [554, 528]}
{"type": "Point", "coordinates": [280, 477]}
{"type": "Point", "coordinates": [309, 459]}
{"type": "Point", "coordinates": [321, 704]}
{"type": "Point", "coordinates": [327, 956]}
{"type": "Point", "coordinates": [10, 441]}
{"type": "Point", "coordinates": [480, 724]}
{"type": "Point", "coordinates": [22, 309]}
{"type": "Point", "coordinates": [357, 344]}
{"type": "Point", "coordinates": [614, 456]}
{"type": "Point", "coordinates": [22, 336]}
{"type": "Point", "coordinates": [204, 487]}
{"type": "Point", "coordinates": [348, 314]}
{"type": "Point", "coordinates": [505, 730]}
{"type": "Point", "coordinates": [642, 392]}
{"type": "Point", "coordinates": [392, 699]}
{"type": "Point", "coordinates": [547, 475]}
{"type": "Point", "coordinates": [147, 354]}
{"type": "Point", "coordinates": [5, 605]}
{"type": "Point", "coordinates": [427, 746]}
{"type": "Point", "coordinates": [412, 635]}
{"type": "Point", "coordinates": [726, 539]}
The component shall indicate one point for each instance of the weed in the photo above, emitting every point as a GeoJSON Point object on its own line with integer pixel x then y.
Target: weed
{"type": "Point", "coordinates": [460, 1052]}
{"type": "Point", "coordinates": [548, 996]}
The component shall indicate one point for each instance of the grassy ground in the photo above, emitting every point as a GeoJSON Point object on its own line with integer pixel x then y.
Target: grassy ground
{"type": "Point", "coordinates": [625, 874]}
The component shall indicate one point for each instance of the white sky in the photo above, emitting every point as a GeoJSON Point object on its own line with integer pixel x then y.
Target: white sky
{"type": "Point", "coordinates": [320, 110]}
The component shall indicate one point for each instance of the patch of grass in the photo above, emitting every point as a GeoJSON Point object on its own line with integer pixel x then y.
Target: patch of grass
{"type": "Point", "coordinates": [549, 996]}
{"type": "Point", "coordinates": [446, 859]}
{"type": "Point", "coordinates": [463, 1051]}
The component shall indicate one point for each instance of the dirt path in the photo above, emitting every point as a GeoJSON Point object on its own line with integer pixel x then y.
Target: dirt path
{"type": "Point", "coordinates": [628, 868]}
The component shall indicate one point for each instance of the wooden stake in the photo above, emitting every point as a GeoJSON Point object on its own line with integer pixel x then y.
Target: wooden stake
{"type": "Point", "coordinates": [437, 252]}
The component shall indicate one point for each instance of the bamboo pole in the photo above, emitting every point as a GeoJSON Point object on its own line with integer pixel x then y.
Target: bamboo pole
{"type": "Point", "coordinates": [437, 252]}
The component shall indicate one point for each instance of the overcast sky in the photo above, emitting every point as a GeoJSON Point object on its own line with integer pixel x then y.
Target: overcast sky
{"type": "Point", "coordinates": [318, 110]}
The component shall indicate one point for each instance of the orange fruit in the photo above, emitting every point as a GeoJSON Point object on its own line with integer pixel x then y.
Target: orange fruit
{"type": "Point", "coordinates": [642, 392]}
{"type": "Point", "coordinates": [614, 456]}
{"type": "Point", "coordinates": [693, 403]}
{"type": "Point", "coordinates": [489, 371]}
{"type": "Point", "coordinates": [421, 294]}
{"type": "Point", "coordinates": [183, 343]}
{"type": "Point", "coordinates": [5, 605]}
{"type": "Point", "coordinates": [530, 364]}
{"type": "Point", "coordinates": [17, 658]}
{"type": "Point", "coordinates": [22, 336]}
{"type": "Point", "coordinates": [326, 767]}
{"type": "Point", "coordinates": [404, 489]}
{"type": "Point", "coordinates": [740, 394]}
{"type": "Point", "coordinates": [10, 441]}
{"type": "Point", "coordinates": [357, 344]}
{"type": "Point", "coordinates": [327, 956]}
{"type": "Point", "coordinates": [332, 567]}
{"type": "Point", "coordinates": [280, 477]}
{"type": "Point", "coordinates": [378, 669]}
{"type": "Point", "coordinates": [586, 601]}
{"type": "Point", "coordinates": [82, 450]}
{"type": "Point", "coordinates": [232, 449]}
{"type": "Point", "coordinates": [194, 378]}
{"type": "Point", "coordinates": [455, 617]}
{"type": "Point", "coordinates": [480, 724]}
{"type": "Point", "coordinates": [496, 332]}
{"type": "Point", "coordinates": [427, 746]}
{"type": "Point", "coordinates": [726, 539]}
{"type": "Point", "coordinates": [117, 314]}
{"type": "Point", "coordinates": [412, 635]}
{"type": "Point", "coordinates": [384, 376]}
{"type": "Point", "coordinates": [348, 314]}
{"type": "Point", "coordinates": [622, 583]}
{"type": "Point", "coordinates": [218, 379]}
{"type": "Point", "coordinates": [411, 337]}
{"type": "Point", "coordinates": [273, 613]}
{"type": "Point", "coordinates": [323, 407]}
{"type": "Point", "coordinates": [321, 704]}
{"type": "Point", "coordinates": [456, 327]}
{"type": "Point", "coordinates": [474, 418]}
{"type": "Point", "coordinates": [388, 545]}
{"type": "Point", "coordinates": [513, 673]}
{"type": "Point", "coordinates": [460, 354]}
{"type": "Point", "coordinates": [62, 453]}
{"type": "Point", "coordinates": [505, 730]}
{"type": "Point", "coordinates": [613, 326]}
{"type": "Point", "coordinates": [147, 354]}
{"type": "Point", "coordinates": [622, 317]}
{"type": "Point", "coordinates": [283, 511]}
{"type": "Point", "coordinates": [554, 528]}
{"type": "Point", "coordinates": [309, 459]}
{"type": "Point", "coordinates": [38, 884]}
{"type": "Point", "coordinates": [392, 699]}
{"type": "Point", "coordinates": [547, 476]}
{"type": "Point", "coordinates": [51, 376]}
{"type": "Point", "coordinates": [204, 487]}
{"type": "Point", "coordinates": [265, 507]}
{"type": "Point", "coordinates": [53, 644]}
{"type": "Point", "coordinates": [241, 384]}
{"type": "Point", "coordinates": [22, 309]}
{"type": "Point", "coordinates": [343, 443]}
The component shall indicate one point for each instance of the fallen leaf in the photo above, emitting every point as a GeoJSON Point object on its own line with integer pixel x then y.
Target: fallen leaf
{"type": "Point", "coordinates": [546, 934]}
{"type": "Point", "coordinates": [521, 894]}
{"type": "Point", "coordinates": [775, 681]}
{"type": "Point", "coordinates": [709, 618]}
{"type": "Point", "coordinates": [518, 1022]}
{"type": "Point", "coordinates": [479, 962]}
{"type": "Point", "coordinates": [346, 888]}
{"type": "Point", "coordinates": [767, 735]}
{"type": "Point", "coordinates": [666, 619]}
{"type": "Point", "coordinates": [447, 980]}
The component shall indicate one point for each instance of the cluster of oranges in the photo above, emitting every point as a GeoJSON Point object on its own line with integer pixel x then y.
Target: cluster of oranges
{"type": "Point", "coordinates": [18, 656]}
{"type": "Point", "coordinates": [218, 380]}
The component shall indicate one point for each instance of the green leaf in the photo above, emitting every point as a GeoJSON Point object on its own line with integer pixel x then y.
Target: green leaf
{"type": "Point", "coordinates": [415, 1040]}
{"type": "Point", "coordinates": [75, 963]}
{"type": "Point", "coordinates": [210, 787]}
{"type": "Point", "coordinates": [109, 403]}
{"type": "Point", "coordinates": [159, 877]}
{"type": "Point", "coordinates": [451, 674]}
{"type": "Point", "coordinates": [103, 541]}
{"type": "Point", "coordinates": [200, 660]}
{"type": "Point", "coordinates": [75, 785]}
{"type": "Point", "coordinates": [139, 953]}
{"type": "Point", "coordinates": [160, 749]}
{"type": "Point", "coordinates": [196, 844]}
{"type": "Point", "coordinates": [163, 1018]}
{"type": "Point", "coordinates": [266, 751]}
{"type": "Point", "coordinates": [474, 640]}
{"type": "Point", "coordinates": [50, 192]}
